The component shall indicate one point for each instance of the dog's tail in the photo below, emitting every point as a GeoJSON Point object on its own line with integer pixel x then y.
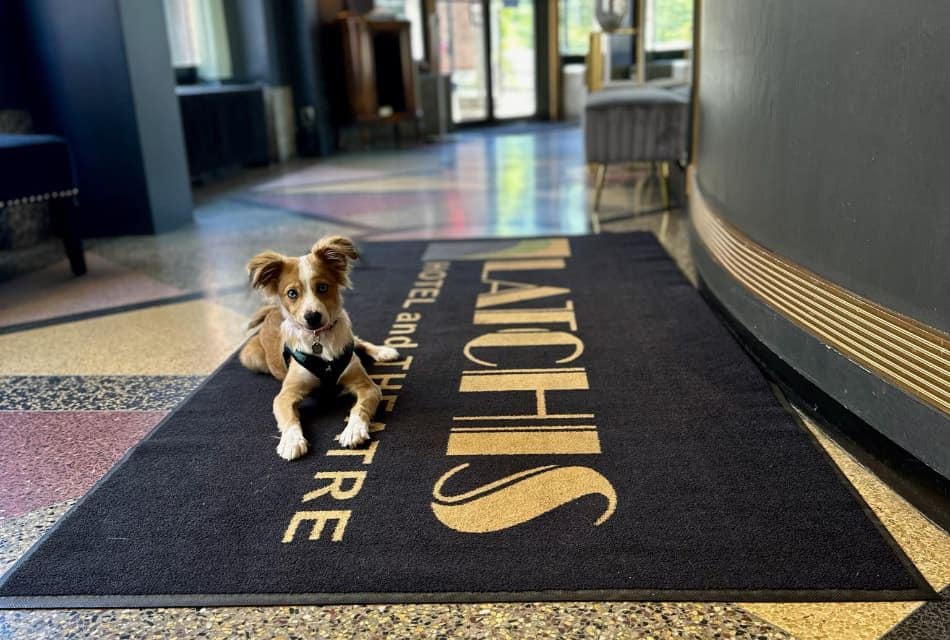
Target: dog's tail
{"type": "Point", "coordinates": [260, 315]}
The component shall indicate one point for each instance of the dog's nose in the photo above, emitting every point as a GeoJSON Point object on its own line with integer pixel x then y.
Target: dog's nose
{"type": "Point", "coordinates": [314, 319]}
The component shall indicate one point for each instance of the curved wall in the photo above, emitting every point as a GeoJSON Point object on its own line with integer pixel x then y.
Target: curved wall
{"type": "Point", "coordinates": [824, 137]}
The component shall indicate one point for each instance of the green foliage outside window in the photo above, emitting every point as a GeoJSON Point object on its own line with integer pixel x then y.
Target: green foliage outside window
{"type": "Point", "coordinates": [576, 22]}
{"type": "Point", "coordinates": [672, 24]}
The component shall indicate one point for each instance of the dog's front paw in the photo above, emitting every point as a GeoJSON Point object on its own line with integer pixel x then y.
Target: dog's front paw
{"type": "Point", "coordinates": [292, 445]}
{"type": "Point", "coordinates": [386, 354]}
{"type": "Point", "coordinates": [355, 433]}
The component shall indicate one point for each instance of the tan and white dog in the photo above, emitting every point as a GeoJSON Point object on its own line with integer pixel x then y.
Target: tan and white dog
{"type": "Point", "coordinates": [306, 339]}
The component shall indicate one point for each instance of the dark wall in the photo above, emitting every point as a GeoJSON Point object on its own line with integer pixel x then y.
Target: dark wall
{"type": "Point", "coordinates": [14, 89]}
{"type": "Point", "coordinates": [157, 114]}
{"type": "Point", "coordinates": [276, 42]}
{"type": "Point", "coordinates": [299, 25]}
{"type": "Point", "coordinates": [255, 41]}
{"type": "Point", "coordinates": [85, 96]}
{"type": "Point", "coordinates": [102, 78]}
{"type": "Point", "coordinates": [824, 134]}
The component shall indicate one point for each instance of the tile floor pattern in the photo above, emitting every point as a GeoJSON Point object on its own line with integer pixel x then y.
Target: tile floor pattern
{"type": "Point", "coordinates": [89, 365]}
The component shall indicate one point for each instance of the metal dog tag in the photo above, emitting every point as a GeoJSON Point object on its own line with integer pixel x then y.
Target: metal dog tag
{"type": "Point", "coordinates": [317, 348]}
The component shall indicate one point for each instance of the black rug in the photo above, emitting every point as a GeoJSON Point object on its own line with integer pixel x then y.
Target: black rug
{"type": "Point", "coordinates": [574, 423]}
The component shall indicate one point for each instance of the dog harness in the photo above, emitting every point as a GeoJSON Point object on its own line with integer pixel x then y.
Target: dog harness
{"type": "Point", "coordinates": [328, 371]}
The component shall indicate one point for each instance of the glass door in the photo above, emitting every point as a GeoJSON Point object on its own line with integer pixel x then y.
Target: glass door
{"type": "Point", "coordinates": [512, 58]}
{"type": "Point", "coordinates": [462, 45]}
{"type": "Point", "coordinates": [488, 49]}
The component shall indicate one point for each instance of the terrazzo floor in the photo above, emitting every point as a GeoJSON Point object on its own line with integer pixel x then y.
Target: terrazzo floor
{"type": "Point", "coordinates": [88, 365]}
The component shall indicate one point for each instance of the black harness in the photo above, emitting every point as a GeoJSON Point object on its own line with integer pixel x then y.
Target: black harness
{"type": "Point", "coordinates": [328, 371]}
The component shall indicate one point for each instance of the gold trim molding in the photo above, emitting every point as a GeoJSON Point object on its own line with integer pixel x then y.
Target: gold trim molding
{"type": "Point", "coordinates": [908, 354]}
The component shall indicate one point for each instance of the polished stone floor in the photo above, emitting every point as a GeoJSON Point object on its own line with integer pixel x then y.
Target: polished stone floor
{"type": "Point", "coordinates": [154, 315]}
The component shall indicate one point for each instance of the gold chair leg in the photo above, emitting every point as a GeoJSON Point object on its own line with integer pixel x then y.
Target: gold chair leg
{"type": "Point", "coordinates": [601, 178]}
{"type": "Point", "coordinates": [665, 183]}
{"type": "Point", "coordinates": [595, 223]}
{"type": "Point", "coordinates": [639, 186]}
{"type": "Point", "coordinates": [664, 224]}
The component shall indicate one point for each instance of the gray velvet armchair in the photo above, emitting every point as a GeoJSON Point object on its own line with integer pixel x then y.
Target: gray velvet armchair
{"type": "Point", "coordinates": [636, 124]}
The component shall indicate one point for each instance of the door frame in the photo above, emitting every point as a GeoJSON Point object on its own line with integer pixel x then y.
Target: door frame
{"type": "Point", "coordinates": [541, 46]}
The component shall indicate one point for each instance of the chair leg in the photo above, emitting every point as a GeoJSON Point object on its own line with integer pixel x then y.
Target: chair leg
{"type": "Point", "coordinates": [601, 178]}
{"type": "Point", "coordinates": [595, 227]}
{"type": "Point", "coordinates": [665, 183]}
{"type": "Point", "coordinates": [664, 224]}
{"type": "Point", "coordinates": [63, 213]}
{"type": "Point", "coordinates": [665, 190]}
{"type": "Point", "coordinates": [77, 259]}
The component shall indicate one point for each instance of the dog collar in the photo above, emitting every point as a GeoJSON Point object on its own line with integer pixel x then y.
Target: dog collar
{"type": "Point", "coordinates": [317, 348]}
{"type": "Point", "coordinates": [328, 371]}
{"type": "Point", "coordinates": [317, 332]}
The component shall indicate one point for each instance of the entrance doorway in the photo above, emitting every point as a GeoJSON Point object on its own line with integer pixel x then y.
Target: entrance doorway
{"type": "Point", "coordinates": [488, 50]}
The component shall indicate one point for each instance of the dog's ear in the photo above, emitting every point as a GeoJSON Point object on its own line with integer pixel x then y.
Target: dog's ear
{"type": "Point", "coordinates": [337, 252]}
{"type": "Point", "coordinates": [264, 270]}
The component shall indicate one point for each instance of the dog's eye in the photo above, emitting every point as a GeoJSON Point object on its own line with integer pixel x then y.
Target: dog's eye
{"type": "Point", "coordinates": [323, 287]}
{"type": "Point", "coordinates": [292, 294]}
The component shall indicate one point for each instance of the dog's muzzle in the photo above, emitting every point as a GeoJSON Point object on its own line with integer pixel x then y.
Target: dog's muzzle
{"type": "Point", "coordinates": [314, 319]}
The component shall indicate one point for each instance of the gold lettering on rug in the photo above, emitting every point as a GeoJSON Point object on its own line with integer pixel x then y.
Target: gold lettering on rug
{"type": "Point", "coordinates": [335, 488]}
{"type": "Point", "coordinates": [527, 442]}
{"type": "Point", "coordinates": [518, 498]}
{"type": "Point", "coordinates": [319, 519]}
{"type": "Point", "coordinates": [540, 381]}
{"type": "Point", "coordinates": [523, 496]}
{"type": "Point", "coordinates": [367, 454]}
{"type": "Point", "coordinates": [507, 292]}
{"type": "Point", "coordinates": [429, 284]}
{"type": "Point", "coordinates": [385, 380]}
{"type": "Point", "coordinates": [524, 338]}
{"type": "Point", "coordinates": [552, 315]}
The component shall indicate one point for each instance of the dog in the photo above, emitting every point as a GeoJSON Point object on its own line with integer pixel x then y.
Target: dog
{"type": "Point", "coordinates": [306, 339]}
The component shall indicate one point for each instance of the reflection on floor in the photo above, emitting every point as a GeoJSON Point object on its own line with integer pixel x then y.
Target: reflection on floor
{"type": "Point", "coordinates": [89, 365]}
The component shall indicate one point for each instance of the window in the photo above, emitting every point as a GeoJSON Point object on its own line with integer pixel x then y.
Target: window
{"type": "Point", "coordinates": [669, 25]}
{"type": "Point", "coordinates": [575, 22]}
{"type": "Point", "coordinates": [182, 19]}
{"type": "Point", "coordinates": [197, 37]}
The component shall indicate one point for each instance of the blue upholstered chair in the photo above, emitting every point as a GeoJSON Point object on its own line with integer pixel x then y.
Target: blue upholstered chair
{"type": "Point", "coordinates": [38, 168]}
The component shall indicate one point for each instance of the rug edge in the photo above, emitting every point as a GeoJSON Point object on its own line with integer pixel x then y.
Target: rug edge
{"type": "Point", "coordinates": [6, 575]}
{"type": "Point", "coordinates": [456, 597]}
{"type": "Point", "coordinates": [923, 585]}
